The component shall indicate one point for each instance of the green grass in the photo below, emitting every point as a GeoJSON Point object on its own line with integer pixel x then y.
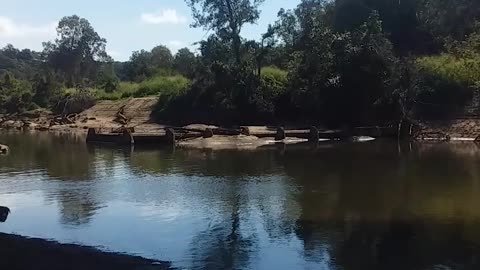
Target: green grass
{"type": "Point", "coordinates": [124, 90]}
{"type": "Point", "coordinates": [171, 85]}
{"type": "Point", "coordinates": [275, 73]}
{"type": "Point", "coordinates": [464, 71]}
{"type": "Point", "coordinates": [160, 85]}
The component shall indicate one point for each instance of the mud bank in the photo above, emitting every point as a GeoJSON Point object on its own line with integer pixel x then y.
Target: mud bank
{"type": "Point", "coordinates": [21, 253]}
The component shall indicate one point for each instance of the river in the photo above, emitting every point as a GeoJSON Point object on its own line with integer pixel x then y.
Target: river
{"type": "Point", "coordinates": [372, 205]}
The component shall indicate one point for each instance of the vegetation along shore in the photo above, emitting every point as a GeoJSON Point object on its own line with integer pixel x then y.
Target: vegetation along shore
{"type": "Point", "coordinates": [333, 64]}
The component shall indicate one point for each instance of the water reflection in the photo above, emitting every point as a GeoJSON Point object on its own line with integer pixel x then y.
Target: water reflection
{"type": "Point", "coordinates": [376, 205]}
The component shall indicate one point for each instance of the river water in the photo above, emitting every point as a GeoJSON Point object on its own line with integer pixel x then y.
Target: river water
{"type": "Point", "coordinates": [372, 205]}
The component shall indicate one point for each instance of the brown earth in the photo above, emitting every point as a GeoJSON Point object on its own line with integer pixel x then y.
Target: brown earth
{"type": "Point", "coordinates": [468, 128]}
{"type": "Point", "coordinates": [102, 116]}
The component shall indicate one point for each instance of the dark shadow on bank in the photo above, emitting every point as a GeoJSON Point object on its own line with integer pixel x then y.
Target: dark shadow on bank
{"type": "Point", "coordinates": [30, 253]}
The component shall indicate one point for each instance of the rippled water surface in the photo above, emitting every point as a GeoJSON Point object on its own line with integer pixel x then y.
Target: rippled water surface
{"type": "Point", "coordinates": [374, 205]}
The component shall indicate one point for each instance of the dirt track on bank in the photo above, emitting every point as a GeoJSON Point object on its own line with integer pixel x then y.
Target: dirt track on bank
{"type": "Point", "coordinates": [468, 128]}
{"type": "Point", "coordinates": [102, 116]}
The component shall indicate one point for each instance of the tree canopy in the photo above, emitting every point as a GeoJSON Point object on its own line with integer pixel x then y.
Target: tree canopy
{"type": "Point", "coordinates": [76, 51]}
{"type": "Point", "coordinates": [340, 62]}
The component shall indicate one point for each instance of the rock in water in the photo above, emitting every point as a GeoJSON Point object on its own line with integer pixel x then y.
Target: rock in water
{"type": "Point", "coordinates": [4, 149]}
{"type": "Point", "coordinates": [281, 135]}
{"type": "Point", "coordinates": [4, 211]}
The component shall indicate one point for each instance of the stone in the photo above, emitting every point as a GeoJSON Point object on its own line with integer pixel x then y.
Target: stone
{"type": "Point", "coordinates": [281, 135]}
{"type": "Point", "coordinates": [4, 212]}
{"type": "Point", "coordinates": [314, 136]}
{"type": "Point", "coordinates": [4, 149]}
{"type": "Point", "coordinates": [208, 133]}
{"type": "Point", "coordinates": [245, 131]}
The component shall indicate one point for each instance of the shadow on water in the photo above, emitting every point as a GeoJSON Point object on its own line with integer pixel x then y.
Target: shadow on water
{"type": "Point", "coordinates": [375, 205]}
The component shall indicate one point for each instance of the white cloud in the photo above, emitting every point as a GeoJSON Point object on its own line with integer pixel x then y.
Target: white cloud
{"type": "Point", "coordinates": [166, 16]}
{"type": "Point", "coordinates": [24, 35]}
{"type": "Point", "coordinates": [175, 43]}
{"type": "Point", "coordinates": [113, 53]}
{"type": "Point", "coordinates": [11, 29]}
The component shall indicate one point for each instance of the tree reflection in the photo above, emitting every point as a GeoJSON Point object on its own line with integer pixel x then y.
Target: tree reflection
{"type": "Point", "coordinates": [67, 162]}
{"type": "Point", "coordinates": [388, 211]}
{"type": "Point", "coordinates": [224, 245]}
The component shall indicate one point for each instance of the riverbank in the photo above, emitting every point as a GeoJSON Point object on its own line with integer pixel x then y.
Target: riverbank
{"type": "Point", "coordinates": [105, 115]}
{"type": "Point", "coordinates": [135, 113]}
{"type": "Point", "coordinates": [28, 253]}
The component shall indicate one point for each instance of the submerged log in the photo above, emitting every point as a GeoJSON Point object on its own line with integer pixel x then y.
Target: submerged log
{"type": "Point", "coordinates": [124, 138]}
{"type": "Point", "coordinates": [123, 129]}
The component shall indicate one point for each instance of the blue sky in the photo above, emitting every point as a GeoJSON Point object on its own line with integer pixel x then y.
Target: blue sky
{"type": "Point", "coordinates": [127, 25]}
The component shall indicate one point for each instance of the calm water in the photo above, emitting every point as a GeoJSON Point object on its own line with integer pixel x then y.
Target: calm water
{"type": "Point", "coordinates": [375, 205]}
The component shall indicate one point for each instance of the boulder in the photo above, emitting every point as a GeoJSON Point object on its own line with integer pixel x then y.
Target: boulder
{"type": "Point", "coordinates": [10, 124]}
{"type": "Point", "coordinates": [314, 136]}
{"type": "Point", "coordinates": [4, 211]}
{"type": "Point", "coordinates": [281, 134]}
{"type": "Point", "coordinates": [208, 133]}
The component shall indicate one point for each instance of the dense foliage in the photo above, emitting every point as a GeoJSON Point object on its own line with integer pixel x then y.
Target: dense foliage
{"type": "Point", "coordinates": [343, 62]}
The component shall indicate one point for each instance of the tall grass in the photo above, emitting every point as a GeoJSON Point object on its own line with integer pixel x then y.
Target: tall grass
{"type": "Point", "coordinates": [463, 71]}
{"type": "Point", "coordinates": [160, 85]}
{"type": "Point", "coordinates": [124, 90]}
{"type": "Point", "coordinates": [171, 85]}
{"type": "Point", "coordinates": [447, 84]}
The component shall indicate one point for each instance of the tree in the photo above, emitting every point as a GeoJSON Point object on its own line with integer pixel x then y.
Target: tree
{"type": "Point", "coordinates": [185, 62]}
{"type": "Point", "coordinates": [226, 18]}
{"type": "Point", "coordinates": [10, 51]}
{"type": "Point", "coordinates": [107, 79]}
{"type": "Point", "coordinates": [45, 90]}
{"type": "Point", "coordinates": [260, 50]}
{"type": "Point", "coordinates": [76, 50]}
{"type": "Point", "coordinates": [139, 66]}
{"type": "Point", "coordinates": [449, 18]}
{"type": "Point", "coordinates": [161, 57]}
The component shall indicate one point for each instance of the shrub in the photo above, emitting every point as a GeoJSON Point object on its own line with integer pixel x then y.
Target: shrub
{"type": "Point", "coordinates": [447, 84]}
{"type": "Point", "coordinates": [18, 102]}
{"type": "Point", "coordinates": [273, 82]}
{"type": "Point", "coordinates": [75, 101]}
{"type": "Point", "coordinates": [124, 90]}
{"type": "Point", "coordinates": [172, 85]}
{"type": "Point", "coordinates": [462, 71]}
